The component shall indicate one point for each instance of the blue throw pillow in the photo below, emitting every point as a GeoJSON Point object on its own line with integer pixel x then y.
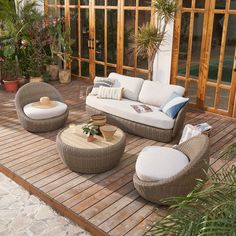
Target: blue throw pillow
{"type": "Point", "coordinates": [174, 106]}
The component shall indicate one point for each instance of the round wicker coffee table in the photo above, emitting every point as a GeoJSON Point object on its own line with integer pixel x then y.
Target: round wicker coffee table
{"type": "Point", "coordinates": [89, 157]}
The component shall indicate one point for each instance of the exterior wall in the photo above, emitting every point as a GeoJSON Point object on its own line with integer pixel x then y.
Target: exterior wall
{"type": "Point", "coordinates": [162, 63]}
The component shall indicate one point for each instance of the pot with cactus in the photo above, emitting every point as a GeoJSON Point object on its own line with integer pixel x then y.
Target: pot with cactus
{"type": "Point", "coordinates": [90, 130]}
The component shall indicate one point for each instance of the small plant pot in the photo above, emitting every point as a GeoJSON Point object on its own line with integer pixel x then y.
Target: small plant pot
{"type": "Point", "coordinates": [64, 76]}
{"type": "Point", "coordinates": [53, 71]}
{"type": "Point", "coordinates": [108, 132]}
{"type": "Point", "coordinates": [36, 79]}
{"type": "Point", "coordinates": [11, 85]}
{"type": "Point", "coordinates": [90, 138]}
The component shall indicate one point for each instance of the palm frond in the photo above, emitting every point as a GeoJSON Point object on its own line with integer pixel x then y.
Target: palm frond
{"type": "Point", "coordinates": [210, 210]}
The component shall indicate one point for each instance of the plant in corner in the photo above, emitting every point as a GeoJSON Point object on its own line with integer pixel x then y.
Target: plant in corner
{"type": "Point", "coordinates": [151, 36]}
{"type": "Point", "coordinates": [210, 209]}
{"type": "Point", "coordinates": [90, 130]}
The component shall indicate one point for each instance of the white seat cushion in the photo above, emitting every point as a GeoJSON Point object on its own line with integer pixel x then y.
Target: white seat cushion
{"type": "Point", "coordinates": [154, 93]}
{"type": "Point", "coordinates": [122, 108]}
{"type": "Point", "coordinates": [157, 163]}
{"type": "Point", "coordinates": [131, 85]}
{"type": "Point", "coordinates": [39, 113]}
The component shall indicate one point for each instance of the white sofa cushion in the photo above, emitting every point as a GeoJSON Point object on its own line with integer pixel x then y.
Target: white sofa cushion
{"type": "Point", "coordinates": [110, 93]}
{"type": "Point", "coordinates": [157, 163]}
{"type": "Point", "coordinates": [122, 108]}
{"type": "Point", "coordinates": [154, 93]}
{"type": "Point", "coordinates": [131, 85]}
{"type": "Point", "coordinates": [39, 113]}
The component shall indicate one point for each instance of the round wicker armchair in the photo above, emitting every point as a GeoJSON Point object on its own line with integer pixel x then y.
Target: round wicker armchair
{"type": "Point", "coordinates": [32, 92]}
{"type": "Point", "coordinates": [197, 150]}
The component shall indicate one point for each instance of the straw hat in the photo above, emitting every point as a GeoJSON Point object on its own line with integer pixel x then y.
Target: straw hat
{"type": "Point", "coordinates": [44, 103]}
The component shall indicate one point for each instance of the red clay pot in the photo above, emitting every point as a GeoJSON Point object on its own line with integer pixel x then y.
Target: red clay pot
{"type": "Point", "coordinates": [90, 138]}
{"type": "Point", "coordinates": [11, 85]}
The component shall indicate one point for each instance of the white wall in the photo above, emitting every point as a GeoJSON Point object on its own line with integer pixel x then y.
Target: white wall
{"type": "Point", "coordinates": [162, 63]}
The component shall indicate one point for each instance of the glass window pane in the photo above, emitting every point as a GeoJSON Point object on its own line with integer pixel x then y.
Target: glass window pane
{"type": "Point", "coordinates": [210, 96]}
{"type": "Point", "coordinates": [142, 75]}
{"type": "Point", "coordinates": [84, 27]}
{"type": "Point", "coordinates": [233, 4]}
{"type": "Point", "coordinates": [128, 72]}
{"type": "Point", "coordinates": [229, 50]}
{"type": "Point", "coordinates": [180, 83]}
{"type": "Point", "coordinates": [74, 31]}
{"type": "Point", "coordinates": [51, 2]}
{"type": "Point", "coordinates": [220, 4]}
{"type": "Point", "coordinates": [84, 2]}
{"type": "Point", "coordinates": [200, 4]}
{"type": "Point", "coordinates": [100, 2]}
{"type": "Point", "coordinates": [224, 99]}
{"type": "Point", "coordinates": [112, 2]}
{"type": "Point", "coordinates": [74, 67]}
{"type": "Point", "coordinates": [60, 2]}
{"type": "Point", "coordinates": [130, 2]}
{"type": "Point", "coordinates": [110, 70]}
{"type": "Point", "coordinates": [73, 2]}
{"type": "Point", "coordinates": [145, 2]}
{"type": "Point", "coordinates": [111, 36]}
{"type": "Point", "coordinates": [99, 26]}
{"type": "Point", "coordinates": [187, 3]}
{"type": "Point", "coordinates": [84, 69]}
{"type": "Point", "coordinates": [192, 91]}
{"type": "Point", "coordinates": [183, 49]}
{"type": "Point", "coordinates": [196, 45]}
{"type": "Point", "coordinates": [99, 70]}
{"type": "Point", "coordinates": [128, 38]}
{"type": "Point", "coordinates": [215, 47]}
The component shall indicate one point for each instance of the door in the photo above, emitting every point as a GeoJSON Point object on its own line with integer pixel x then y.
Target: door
{"type": "Point", "coordinates": [103, 33]}
{"type": "Point", "coordinates": [204, 52]}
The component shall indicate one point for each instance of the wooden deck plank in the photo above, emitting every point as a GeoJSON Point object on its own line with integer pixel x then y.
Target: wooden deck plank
{"type": "Point", "coordinates": [104, 204]}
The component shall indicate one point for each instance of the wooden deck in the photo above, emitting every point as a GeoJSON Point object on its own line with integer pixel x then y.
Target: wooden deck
{"type": "Point", "coordinates": [104, 204]}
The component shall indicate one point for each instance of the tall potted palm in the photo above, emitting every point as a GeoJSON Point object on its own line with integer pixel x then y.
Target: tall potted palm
{"type": "Point", "coordinates": [150, 36]}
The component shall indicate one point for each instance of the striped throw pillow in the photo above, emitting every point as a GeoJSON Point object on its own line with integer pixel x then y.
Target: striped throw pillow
{"type": "Point", "coordinates": [110, 93]}
{"type": "Point", "coordinates": [101, 81]}
{"type": "Point", "coordinates": [174, 106]}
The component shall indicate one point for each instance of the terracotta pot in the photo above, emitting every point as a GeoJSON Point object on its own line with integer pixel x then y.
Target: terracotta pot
{"type": "Point", "coordinates": [64, 76]}
{"type": "Point", "coordinates": [11, 85]}
{"type": "Point", "coordinates": [36, 79]}
{"type": "Point", "coordinates": [108, 131]}
{"type": "Point", "coordinates": [90, 138]}
{"type": "Point", "coordinates": [53, 71]}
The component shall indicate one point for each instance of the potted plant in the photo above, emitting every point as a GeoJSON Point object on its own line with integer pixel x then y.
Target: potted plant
{"type": "Point", "coordinates": [90, 130]}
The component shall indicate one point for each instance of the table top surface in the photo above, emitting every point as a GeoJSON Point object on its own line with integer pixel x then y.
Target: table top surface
{"type": "Point", "coordinates": [74, 137]}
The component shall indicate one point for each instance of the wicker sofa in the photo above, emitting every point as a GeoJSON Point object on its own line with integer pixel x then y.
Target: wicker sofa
{"type": "Point", "coordinates": [159, 128]}
{"type": "Point", "coordinates": [182, 183]}
{"type": "Point", "coordinates": [32, 92]}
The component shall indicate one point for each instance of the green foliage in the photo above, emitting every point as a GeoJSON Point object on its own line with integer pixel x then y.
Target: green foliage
{"type": "Point", "coordinates": [90, 129]}
{"type": "Point", "coordinates": [208, 210]}
{"type": "Point", "coordinates": [231, 151]}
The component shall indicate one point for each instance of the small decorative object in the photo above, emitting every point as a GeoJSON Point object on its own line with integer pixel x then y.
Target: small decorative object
{"type": "Point", "coordinates": [73, 128]}
{"type": "Point", "coordinates": [99, 120]}
{"type": "Point", "coordinates": [108, 131]}
{"type": "Point", "coordinates": [65, 76]}
{"type": "Point", "coordinates": [90, 130]}
{"type": "Point", "coordinates": [44, 103]}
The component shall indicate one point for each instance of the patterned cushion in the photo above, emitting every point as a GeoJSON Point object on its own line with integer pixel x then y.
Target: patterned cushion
{"type": "Point", "coordinates": [173, 107]}
{"type": "Point", "coordinates": [101, 81]}
{"type": "Point", "coordinates": [110, 93]}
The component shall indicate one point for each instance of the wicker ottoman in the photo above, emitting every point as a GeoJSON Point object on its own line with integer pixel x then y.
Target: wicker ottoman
{"type": "Point", "coordinates": [89, 157]}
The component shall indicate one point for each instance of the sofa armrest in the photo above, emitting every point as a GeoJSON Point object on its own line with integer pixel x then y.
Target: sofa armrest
{"type": "Point", "coordinates": [89, 89]}
{"type": "Point", "coordinates": [179, 121]}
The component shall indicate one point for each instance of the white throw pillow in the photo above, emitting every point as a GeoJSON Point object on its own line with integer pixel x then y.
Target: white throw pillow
{"type": "Point", "coordinates": [110, 93]}
{"type": "Point", "coordinates": [173, 107]}
{"type": "Point", "coordinates": [131, 85]}
{"type": "Point", "coordinates": [155, 94]}
{"type": "Point", "coordinates": [101, 81]}
{"type": "Point", "coordinates": [39, 113]}
{"type": "Point", "coordinates": [157, 163]}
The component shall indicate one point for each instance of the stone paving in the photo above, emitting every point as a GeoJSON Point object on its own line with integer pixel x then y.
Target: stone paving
{"type": "Point", "coordinates": [22, 214]}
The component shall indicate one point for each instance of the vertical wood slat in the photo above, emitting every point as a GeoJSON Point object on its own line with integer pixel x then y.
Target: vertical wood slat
{"type": "Point", "coordinates": [92, 35]}
{"type": "Point", "coordinates": [79, 39]}
{"type": "Point", "coordinates": [222, 54]}
{"type": "Point", "coordinates": [206, 54]}
{"type": "Point", "coordinates": [135, 33]}
{"type": "Point", "coordinates": [105, 40]}
{"type": "Point", "coordinates": [176, 43]}
{"type": "Point", "coordinates": [232, 99]}
{"type": "Point", "coordinates": [189, 51]}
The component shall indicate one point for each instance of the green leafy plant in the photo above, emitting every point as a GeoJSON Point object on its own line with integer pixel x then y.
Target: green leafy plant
{"type": "Point", "coordinates": [150, 36]}
{"type": "Point", "coordinates": [90, 129]}
{"type": "Point", "coordinates": [231, 151]}
{"type": "Point", "coordinates": [210, 209]}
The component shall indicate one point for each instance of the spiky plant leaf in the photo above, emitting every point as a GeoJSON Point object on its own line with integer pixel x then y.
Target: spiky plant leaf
{"type": "Point", "coordinates": [209, 211]}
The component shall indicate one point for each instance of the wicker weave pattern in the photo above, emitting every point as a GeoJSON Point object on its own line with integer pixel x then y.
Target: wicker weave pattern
{"type": "Point", "coordinates": [32, 92]}
{"type": "Point", "coordinates": [149, 132]}
{"type": "Point", "coordinates": [197, 149]}
{"type": "Point", "coordinates": [89, 161]}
